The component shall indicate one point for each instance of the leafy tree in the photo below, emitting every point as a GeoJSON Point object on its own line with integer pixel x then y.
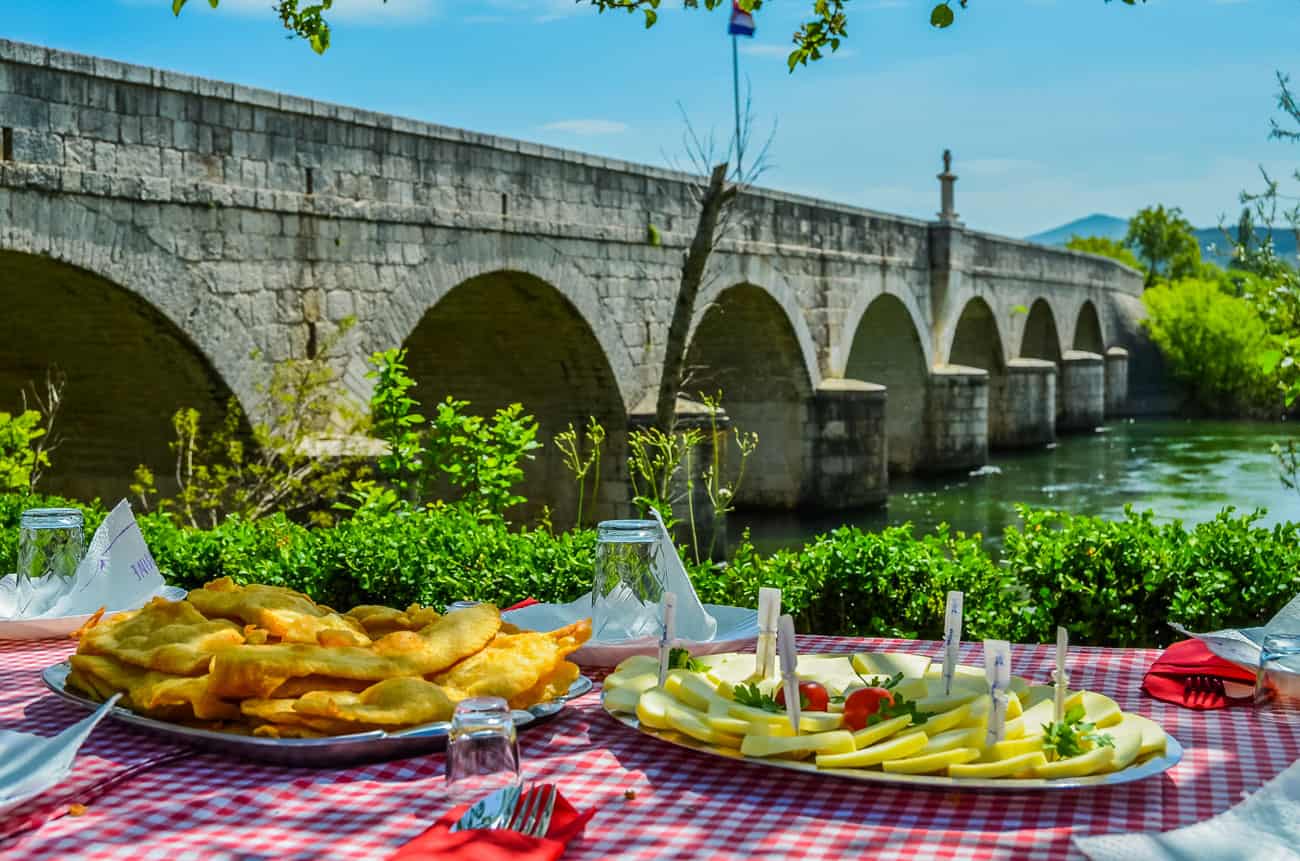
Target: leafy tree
{"type": "Point", "coordinates": [824, 29]}
{"type": "Point", "coordinates": [1106, 248]}
{"type": "Point", "coordinates": [1166, 241]}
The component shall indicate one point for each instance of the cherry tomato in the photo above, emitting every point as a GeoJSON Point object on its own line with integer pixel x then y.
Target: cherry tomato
{"type": "Point", "coordinates": [812, 696]}
{"type": "Point", "coordinates": [862, 704]}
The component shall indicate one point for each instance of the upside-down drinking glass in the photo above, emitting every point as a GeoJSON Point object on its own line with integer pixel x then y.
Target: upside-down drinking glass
{"type": "Point", "coordinates": [629, 581]}
{"type": "Point", "coordinates": [1277, 682]}
{"type": "Point", "coordinates": [50, 546]}
{"type": "Point", "coordinates": [482, 751]}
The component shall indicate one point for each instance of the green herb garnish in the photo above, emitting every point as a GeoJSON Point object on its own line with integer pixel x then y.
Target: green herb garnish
{"type": "Point", "coordinates": [750, 695]}
{"type": "Point", "coordinates": [1073, 735]}
{"type": "Point", "coordinates": [680, 659]}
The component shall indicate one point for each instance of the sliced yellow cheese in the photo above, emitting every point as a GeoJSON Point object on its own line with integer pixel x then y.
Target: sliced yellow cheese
{"type": "Point", "coordinates": [1077, 766]}
{"type": "Point", "coordinates": [1126, 736]}
{"type": "Point", "coordinates": [869, 735]}
{"type": "Point", "coordinates": [1011, 767]}
{"type": "Point", "coordinates": [634, 681]}
{"type": "Point", "coordinates": [1009, 748]}
{"type": "Point", "coordinates": [1153, 735]}
{"type": "Point", "coordinates": [1099, 708]}
{"type": "Point", "coordinates": [694, 724]}
{"type": "Point", "coordinates": [622, 700]}
{"type": "Point", "coordinates": [944, 720]}
{"type": "Point", "coordinates": [696, 691]}
{"type": "Point", "coordinates": [839, 741]}
{"type": "Point", "coordinates": [736, 726]}
{"type": "Point", "coordinates": [636, 665]}
{"type": "Point", "coordinates": [895, 748]}
{"type": "Point", "coordinates": [833, 672]}
{"type": "Point", "coordinates": [931, 688]}
{"type": "Point", "coordinates": [728, 669]}
{"type": "Point", "coordinates": [952, 739]}
{"type": "Point", "coordinates": [820, 721]}
{"type": "Point", "coordinates": [924, 764]}
{"type": "Point", "coordinates": [1038, 693]}
{"type": "Point", "coordinates": [886, 664]}
{"type": "Point", "coordinates": [754, 715]}
{"type": "Point", "coordinates": [652, 708]}
{"type": "Point", "coordinates": [778, 729]}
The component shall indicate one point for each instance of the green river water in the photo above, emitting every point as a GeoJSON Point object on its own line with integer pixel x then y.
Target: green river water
{"type": "Point", "coordinates": [1180, 469]}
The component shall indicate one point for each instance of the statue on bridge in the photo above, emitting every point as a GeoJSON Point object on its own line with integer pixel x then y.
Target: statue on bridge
{"type": "Point", "coordinates": [947, 214]}
{"type": "Point", "coordinates": [947, 161]}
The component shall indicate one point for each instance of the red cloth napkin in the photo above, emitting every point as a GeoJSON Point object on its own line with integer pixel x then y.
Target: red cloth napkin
{"type": "Point", "coordinates": [527, 602]}
{"type": "Point", "coordinates": [1167, 678]}
{"type": "Point", "coordinates": [498, 844]}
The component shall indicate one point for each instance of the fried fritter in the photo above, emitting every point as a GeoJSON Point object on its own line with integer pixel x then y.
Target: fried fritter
{"type": "Point", "coordinates": [166, 636]}
{"type": "Point", "coordinates": [392, 702]}
{"type": "Point", "coordinates": [379, 621]}
{"type": "Point", "coordinates": [549, 687]}
{"type": "Point", "coordinates": [514, 664]}
{"type": "Point", "coordinates": [256, 671]}
{"type": "Point", "coordinates": [150, 692]}
{"type": "Point", "coordinates": [284, 613]}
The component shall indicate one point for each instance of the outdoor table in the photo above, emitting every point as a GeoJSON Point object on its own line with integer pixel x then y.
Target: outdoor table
{"type": "Point", "coordinates": [682, 804]}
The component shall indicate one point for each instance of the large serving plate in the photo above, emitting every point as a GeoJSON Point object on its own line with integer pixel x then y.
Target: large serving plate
{"type": "Point", "coordinates": [1147, 768]}
{"type": "Point", "coordinates": [332, 752]}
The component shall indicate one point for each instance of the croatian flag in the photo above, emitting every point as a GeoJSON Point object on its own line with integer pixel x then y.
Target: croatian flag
{"type": "Point", "coordinates": [742, 23]}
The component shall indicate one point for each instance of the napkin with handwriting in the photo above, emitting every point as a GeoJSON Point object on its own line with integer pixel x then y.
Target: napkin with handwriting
{"type": "Point", "coordinates": [1243, 645]}
{"type": "Point", "coordinates": [117, 573]}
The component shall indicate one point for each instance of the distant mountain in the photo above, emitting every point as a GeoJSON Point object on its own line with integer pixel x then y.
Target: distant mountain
{"type": "Point", "coordinates": [1110, 227]}
{"type": "Point", "coordinates": [1097, 224]}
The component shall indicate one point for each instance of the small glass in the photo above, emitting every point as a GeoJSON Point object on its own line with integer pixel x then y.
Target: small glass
{"type": "Point", "coordinates": [482, 751]}
{"type": "Point", "coordinates": [51, 543]}
{"type": "Point", "coordinates": [629, 581]}
{"type": "Point", "coordinates": [1277, 682]}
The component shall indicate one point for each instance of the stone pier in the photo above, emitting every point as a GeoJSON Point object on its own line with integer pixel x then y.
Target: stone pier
{"type": "Point", "coordinates": [1081, 401]}
{"type": "Point", "coordinates": [1022, 408]}
{"type": "Point", "coordinates": [956, 419]}
{"type": "Point", "coordinates": [850, 465]}
{"type": "Point", "coordinates": [1116, 382]}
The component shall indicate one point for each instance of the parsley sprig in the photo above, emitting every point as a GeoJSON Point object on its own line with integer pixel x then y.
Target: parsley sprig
{"type": "Point", "coordinates": [899, 707]}
{"type": "Point", "coordinates": [1073, 735]}
{"type": "Point", "coordinates": [750, 695]}
{"type": "Point", "coordinates": [680, 659]}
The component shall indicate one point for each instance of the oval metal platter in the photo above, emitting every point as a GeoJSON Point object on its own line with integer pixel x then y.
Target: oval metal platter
{"type": "Point", "coordinates": [331, 752]}
{"type": "Point", "coordinates": [1141, 770]}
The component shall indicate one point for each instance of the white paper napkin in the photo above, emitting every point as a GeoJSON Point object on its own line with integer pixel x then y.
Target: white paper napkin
{"type": "Point", "coordinates": [117, 573]}
{"type": "Point", "coordinates": [1243, 645]}
{"type": "Point", "coordinates": [31, 764]}
{"type": "Point", "coordinates": [1264, 827]}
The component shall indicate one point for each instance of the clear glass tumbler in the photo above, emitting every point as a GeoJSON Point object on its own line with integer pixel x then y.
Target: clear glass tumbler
{"type": "Point", "coordinates": [1277, 683]}
{"type": "Point", "coordinates": [482, 750]}
{"type": "Point", "coordinates": [51, 543]}
{"type": "Point", "coordinates": [629, 581]}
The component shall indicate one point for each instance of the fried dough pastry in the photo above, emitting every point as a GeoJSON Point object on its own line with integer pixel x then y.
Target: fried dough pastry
{"type": "Point", "coordinates": [256, 671]}
{"type": "Point", "coordinates": [379, 621]}
{"type": "Point", "coordinates": [294, 688]}
{"type": "Point", "coordinates": [166, 636]}
{"type": "Point", "coordinates": [549, 687]}
{"type": "Point", "coordinates": [514, 664]}
{"type": "Point", "coordinates": [284, 613]}
{"type": "Point", "coordinates": [391, 703]}
{"type": "Point", "coordinates": [148, 691]}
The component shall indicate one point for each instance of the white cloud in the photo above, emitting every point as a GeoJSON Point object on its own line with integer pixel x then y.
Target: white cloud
{"type": "Point", "coordinates": [586, 127]}
{"type": "Point", "coordinates": [764, 49]}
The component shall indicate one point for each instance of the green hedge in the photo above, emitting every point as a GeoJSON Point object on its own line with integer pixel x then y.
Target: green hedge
{"type": "Point", "coordinates": [1112, 582]}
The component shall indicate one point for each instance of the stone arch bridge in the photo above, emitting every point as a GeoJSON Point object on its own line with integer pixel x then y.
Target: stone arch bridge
{"type": "Point", "coordinates": [164, 239]}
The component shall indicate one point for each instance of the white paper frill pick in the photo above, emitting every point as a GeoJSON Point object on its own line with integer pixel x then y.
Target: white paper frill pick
{"type": "Point", "coordinates": [117, 573]}
{"type": "Point", "coordinates": [769, 611]}
{"type": "Point", "coordinates": [789, 665]}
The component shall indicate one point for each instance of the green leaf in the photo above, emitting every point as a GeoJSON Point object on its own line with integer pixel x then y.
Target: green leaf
{"type": "Point", "coordinates": [177, 6]}
{"type": "Point", "coordinates": [1269, 359]}
{"type": "Point", "coordinates": [651, 16]}
{"type": "Point", "coordinates": [941, 16]}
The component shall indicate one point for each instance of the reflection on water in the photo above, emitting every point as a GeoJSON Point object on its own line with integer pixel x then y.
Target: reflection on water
{"type": "Point", "coordinates": [1185, 470]}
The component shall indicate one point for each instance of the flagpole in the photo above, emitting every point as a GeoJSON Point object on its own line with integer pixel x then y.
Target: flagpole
{"type": "Point", "coordinates": [735, 95]}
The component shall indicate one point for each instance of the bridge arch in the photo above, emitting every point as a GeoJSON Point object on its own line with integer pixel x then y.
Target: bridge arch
{"type": "Point", "coordinates": [977, 339]}
{"type": "Point", "coordinates": [1041, 338]}
{"type": "Point", "coordinates": [127, 366]}
{"type": "Point", "coordinates": [510, 337]}
{"type": "Point", "coordinates": [748, 347]}
{"type": "Point", "coordinates": [887, 348]}
{"type": "Point", "coordinates": [1087, 330]}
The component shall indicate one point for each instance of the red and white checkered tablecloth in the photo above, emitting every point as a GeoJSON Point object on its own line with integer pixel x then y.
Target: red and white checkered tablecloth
{"type": "Point", "coordinates": [686, 805]}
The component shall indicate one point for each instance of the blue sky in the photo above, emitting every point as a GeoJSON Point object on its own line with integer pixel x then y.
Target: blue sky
{"type": "Point", "coordinates": [1054, 109]}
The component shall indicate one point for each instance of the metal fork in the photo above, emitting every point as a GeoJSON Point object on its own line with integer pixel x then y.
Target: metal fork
{"type": "Point", "coordinates": [533, 814]}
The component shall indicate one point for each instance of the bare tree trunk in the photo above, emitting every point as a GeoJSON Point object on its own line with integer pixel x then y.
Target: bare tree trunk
{"type": "Point", "coordinates": [714, 199]}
